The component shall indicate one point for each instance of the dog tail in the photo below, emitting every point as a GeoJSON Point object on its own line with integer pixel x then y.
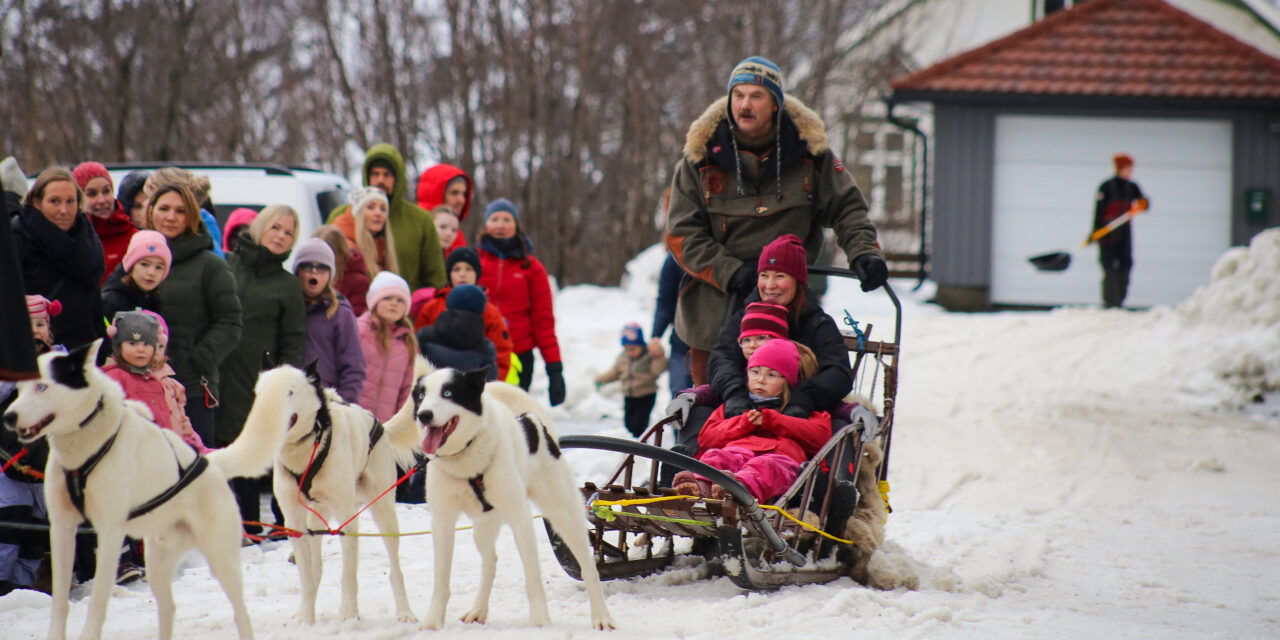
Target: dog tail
{"type": "Point", "coordinates": [254, 450]}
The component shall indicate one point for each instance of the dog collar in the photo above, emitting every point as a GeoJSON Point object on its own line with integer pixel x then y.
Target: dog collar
{"type": "Point", "coordinates": [93, 414]}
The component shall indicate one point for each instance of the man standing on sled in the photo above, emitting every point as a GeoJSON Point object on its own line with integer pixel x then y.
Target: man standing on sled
{"type": "Point", "coordinates": [756, 166]}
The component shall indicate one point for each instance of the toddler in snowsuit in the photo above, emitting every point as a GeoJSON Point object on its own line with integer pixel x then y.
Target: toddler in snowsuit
{"type": "Point", "coordinates": [386, 338]}
{"type": "Point", "coordinates": [638, 368]}
{"type": "Point", "coordinates": [762, 448]}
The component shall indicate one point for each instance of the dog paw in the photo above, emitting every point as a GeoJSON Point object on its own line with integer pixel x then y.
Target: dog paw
{"type": "Point", "coordinates": [432, 624]}
{"type": "Point", "coordinates": [541, 619]}
{"type": "Point", "coordinates": [406, 616]}
{"type": "Point", "coordinates": [477, 615]}
{"type": "Point", "coordinates": [348, 613]}
{"type": "Point", "coordinates": [305, 617]}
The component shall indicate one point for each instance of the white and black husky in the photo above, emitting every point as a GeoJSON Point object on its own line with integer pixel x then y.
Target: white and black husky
{"type": "Point", "coordinates": [491, 449]}
{"type": "Point", "coordinates": [352, 459]}
{"type": "Point", "coordinates": [111, 465]}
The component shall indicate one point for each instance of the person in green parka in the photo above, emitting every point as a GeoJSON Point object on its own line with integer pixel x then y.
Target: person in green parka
{"type": "Point", "coordinates": [199, 301]}
{"type": "Point", "coordinates": [275, 329]}
{"type": "Point", "coordinates": [417, 245]}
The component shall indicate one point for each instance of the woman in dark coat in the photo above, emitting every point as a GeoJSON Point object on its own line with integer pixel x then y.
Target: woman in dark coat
{"type": "Point", "coordinates": [275, 319]}
{"type": "Point", "coordinates": [199, 301]}
{"type": "Point", "coordinates": [275, 330]}
{"type": "Point", "coordinates": [61, 256]}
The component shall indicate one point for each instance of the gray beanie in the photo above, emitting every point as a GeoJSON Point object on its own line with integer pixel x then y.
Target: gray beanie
{"type": "Point", "coordinates": [135, 326]}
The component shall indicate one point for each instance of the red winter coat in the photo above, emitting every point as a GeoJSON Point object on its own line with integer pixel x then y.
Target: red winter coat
{"type": "Point", "coordinates": [796, 438]}
{"type": "Point", "coordinates": [495, 326]}
{"type": "Point", "coordinates": [145, 388]}
{"type": "Point", "coordinates": [354, 285]}
{"type": "Point", "coordinates": [431, 194]}
{"type": "Point", "coordinates": [114, 232]}
{"type": "Point", "coordinates": [523, 295]}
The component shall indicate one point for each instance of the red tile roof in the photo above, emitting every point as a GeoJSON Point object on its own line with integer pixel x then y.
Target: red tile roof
{"type": "Point", "coordinates": [1127, 48]}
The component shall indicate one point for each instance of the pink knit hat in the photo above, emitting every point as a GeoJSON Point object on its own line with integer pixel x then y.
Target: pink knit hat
{"type": "Point", "coordinates": [764, 319]}
{"type": "Point", "coordinates": [781, 356]}
{"type": "Point", "coordinates": [164, 326]}
{"type": "Point", "coordinates": [147, 244]}
{"type": "Point", "coordinates": [786, 254]}
{"type": "Point", "coordinates": [385, 285]}
{"type": "Point", "coordinates": [41, 307]}
{"type": "Point", "coordinates": [86, 171]}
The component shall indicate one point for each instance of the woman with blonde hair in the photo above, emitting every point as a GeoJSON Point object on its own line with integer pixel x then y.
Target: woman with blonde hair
{"type": "Point", "coordinates": [366, 229]}
{"type": "Point", "coordinates": [275, 327]}
{"type": "Point", "coordinates": [198, 298]}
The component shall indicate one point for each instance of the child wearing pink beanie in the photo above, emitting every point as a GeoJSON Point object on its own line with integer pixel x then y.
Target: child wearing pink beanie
{"type": "Point", "coordinates": [762, 448]}
{"type": "Point", "coordinates": [133, 284]}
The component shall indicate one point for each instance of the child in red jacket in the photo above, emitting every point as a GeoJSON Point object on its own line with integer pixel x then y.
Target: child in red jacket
{"type": "Point", "coordinates": [135, 359]}
{"type": "Point", "coordinates": [762, 448]}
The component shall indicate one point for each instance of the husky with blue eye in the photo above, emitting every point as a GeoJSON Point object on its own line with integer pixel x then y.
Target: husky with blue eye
{"type": "Point", "coordinates": [491, 449]}
{"type": "Point", "coordinates": [111, 466]}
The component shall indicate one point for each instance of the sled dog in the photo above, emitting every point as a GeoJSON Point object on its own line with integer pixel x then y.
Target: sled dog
{"type": "Point", "coordinates": [110, 465]}
{"type": "Point", "coordinates": [490, 450]}
{"type": "Point", "coordinates": [335, 457]}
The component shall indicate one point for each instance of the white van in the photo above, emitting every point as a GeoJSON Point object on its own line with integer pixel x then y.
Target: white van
{"type": "Point", "coordinates": [311, 192]}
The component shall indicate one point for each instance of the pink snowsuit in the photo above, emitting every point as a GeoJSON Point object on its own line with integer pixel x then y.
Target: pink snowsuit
{"type": "Point", "coordinates": [388, 376]}
{"type": "Point", "coordinates": [163, 395]}
{"type": "Point", "coordinates": [765, 458]}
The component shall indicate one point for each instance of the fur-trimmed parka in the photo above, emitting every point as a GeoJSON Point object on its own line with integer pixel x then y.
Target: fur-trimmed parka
{"type": "Point", "coordinates": [725, 209]}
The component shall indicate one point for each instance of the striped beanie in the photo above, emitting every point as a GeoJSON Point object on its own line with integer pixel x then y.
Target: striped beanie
{"type": "Point", "coordinates": [41, 307]}
{"type": "Point", "coordinates": [761, 71]}
{"type": "Point", "coordinates": [764, 319]}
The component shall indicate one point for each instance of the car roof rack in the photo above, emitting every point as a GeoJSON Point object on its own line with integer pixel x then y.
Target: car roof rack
{"type": "Point", "coordinates": [270, 168]}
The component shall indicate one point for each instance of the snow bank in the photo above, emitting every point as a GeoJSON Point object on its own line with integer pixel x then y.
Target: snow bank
{"type": "Point", "coordinates": [1236, 316]}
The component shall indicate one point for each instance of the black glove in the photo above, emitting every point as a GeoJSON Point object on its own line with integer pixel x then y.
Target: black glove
{"type": "Point", "coordinates": [555, 383]}
{"type": "Point", "coordinates": [681, 405]}
{"type": "Point", "coordinates": [743, 281]}
{"type": "Point", "coordinates": [737, 405]}
{"type": "Point", "coordinates": [871, 270]}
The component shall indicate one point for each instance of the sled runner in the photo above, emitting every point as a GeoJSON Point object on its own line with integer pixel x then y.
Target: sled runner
{"type": "Point", "coordinates": [638, 527]}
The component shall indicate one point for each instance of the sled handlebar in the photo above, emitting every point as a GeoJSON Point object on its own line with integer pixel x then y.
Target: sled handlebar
{"type": "Point", "coordinates": [893, 296]}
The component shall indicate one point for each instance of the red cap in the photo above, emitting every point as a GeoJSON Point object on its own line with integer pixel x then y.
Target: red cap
{"type": "Point", "coordinates": [786, 254]}
{"type": "Point", "coordinates": [87, 171]}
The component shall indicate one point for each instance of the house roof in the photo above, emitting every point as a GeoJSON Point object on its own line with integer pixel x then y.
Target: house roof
{"type": "Point", "coordinates": [1117, 48]}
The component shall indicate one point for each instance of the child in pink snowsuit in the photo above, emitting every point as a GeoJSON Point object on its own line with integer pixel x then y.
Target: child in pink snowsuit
{"type": "Point", "coordinates": [137, 363]}
{"type": "Point", "coordinates": [762, 448]}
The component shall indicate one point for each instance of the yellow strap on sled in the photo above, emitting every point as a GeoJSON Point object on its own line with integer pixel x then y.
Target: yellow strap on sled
{"type": "Point", "coordinates": [601, 509]}
{"type": "Point", "coordinates": [884, 495]}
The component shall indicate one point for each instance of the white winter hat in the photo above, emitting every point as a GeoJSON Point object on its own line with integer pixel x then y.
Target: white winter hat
{"type": "Point", "coordinates": [385, 285]}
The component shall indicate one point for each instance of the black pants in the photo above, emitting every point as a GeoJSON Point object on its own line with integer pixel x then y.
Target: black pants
{"type": "Point", "coordinates": [526, 369]}
{"type": "Point", "coordinates": [249, 496]}
{"type": "Point", "coordinates": [202, 417]}
{"type": "Point", "coordinates": [636, 412]}
{"type": "Point", "coordinates": [1117, 261]}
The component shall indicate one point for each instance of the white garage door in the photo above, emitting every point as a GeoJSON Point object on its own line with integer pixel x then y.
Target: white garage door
{"type": "Point", "coordinates": [1047, 170]}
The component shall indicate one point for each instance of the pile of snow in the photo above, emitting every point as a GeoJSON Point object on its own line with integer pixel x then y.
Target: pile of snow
{"type": "Point", "coordinates": [1236, 316]}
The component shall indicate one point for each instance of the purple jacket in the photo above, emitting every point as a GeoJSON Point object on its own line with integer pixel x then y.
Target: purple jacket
{"type": "Point", "coordinates": [334, 343]}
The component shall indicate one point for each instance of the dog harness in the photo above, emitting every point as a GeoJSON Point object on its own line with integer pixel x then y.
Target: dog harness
{"type": "Point", "coordinates": [78, 478]}
{"type": "Point", "coordinates": [324, 429]}
{"type": "Point", "coordinates": [477, 485]}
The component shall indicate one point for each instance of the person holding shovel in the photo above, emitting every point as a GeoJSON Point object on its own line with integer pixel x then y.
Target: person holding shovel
{"type": "Point", "coordinates": [1115, 198]}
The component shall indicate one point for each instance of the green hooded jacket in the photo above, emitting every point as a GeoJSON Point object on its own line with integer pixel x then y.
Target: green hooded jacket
{"type": "Point", "coordinates": [417, 245]}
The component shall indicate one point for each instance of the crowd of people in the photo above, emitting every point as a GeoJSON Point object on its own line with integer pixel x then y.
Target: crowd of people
{"type": "Point", "coordinates": [192, 314]}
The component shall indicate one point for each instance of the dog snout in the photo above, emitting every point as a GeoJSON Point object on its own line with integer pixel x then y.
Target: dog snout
{"type": "Point", "coordinates": [10, 419]}
{"type": "Point", "coordinates": [425, 416]}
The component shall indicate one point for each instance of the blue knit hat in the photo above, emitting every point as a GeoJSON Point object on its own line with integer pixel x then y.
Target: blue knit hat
{"type": "Point", "coordinates": [757, 70]}
{"type": "Point", "coordinates": [501, 204]}
{"type": "Point", "coordinates": [466, 297]}
{"type": "Point", "coordinates": [632, 335]}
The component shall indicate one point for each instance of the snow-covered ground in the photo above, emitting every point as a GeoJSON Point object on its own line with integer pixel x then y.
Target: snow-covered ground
{"type": "Point", "coordinates": [1070, 473]}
